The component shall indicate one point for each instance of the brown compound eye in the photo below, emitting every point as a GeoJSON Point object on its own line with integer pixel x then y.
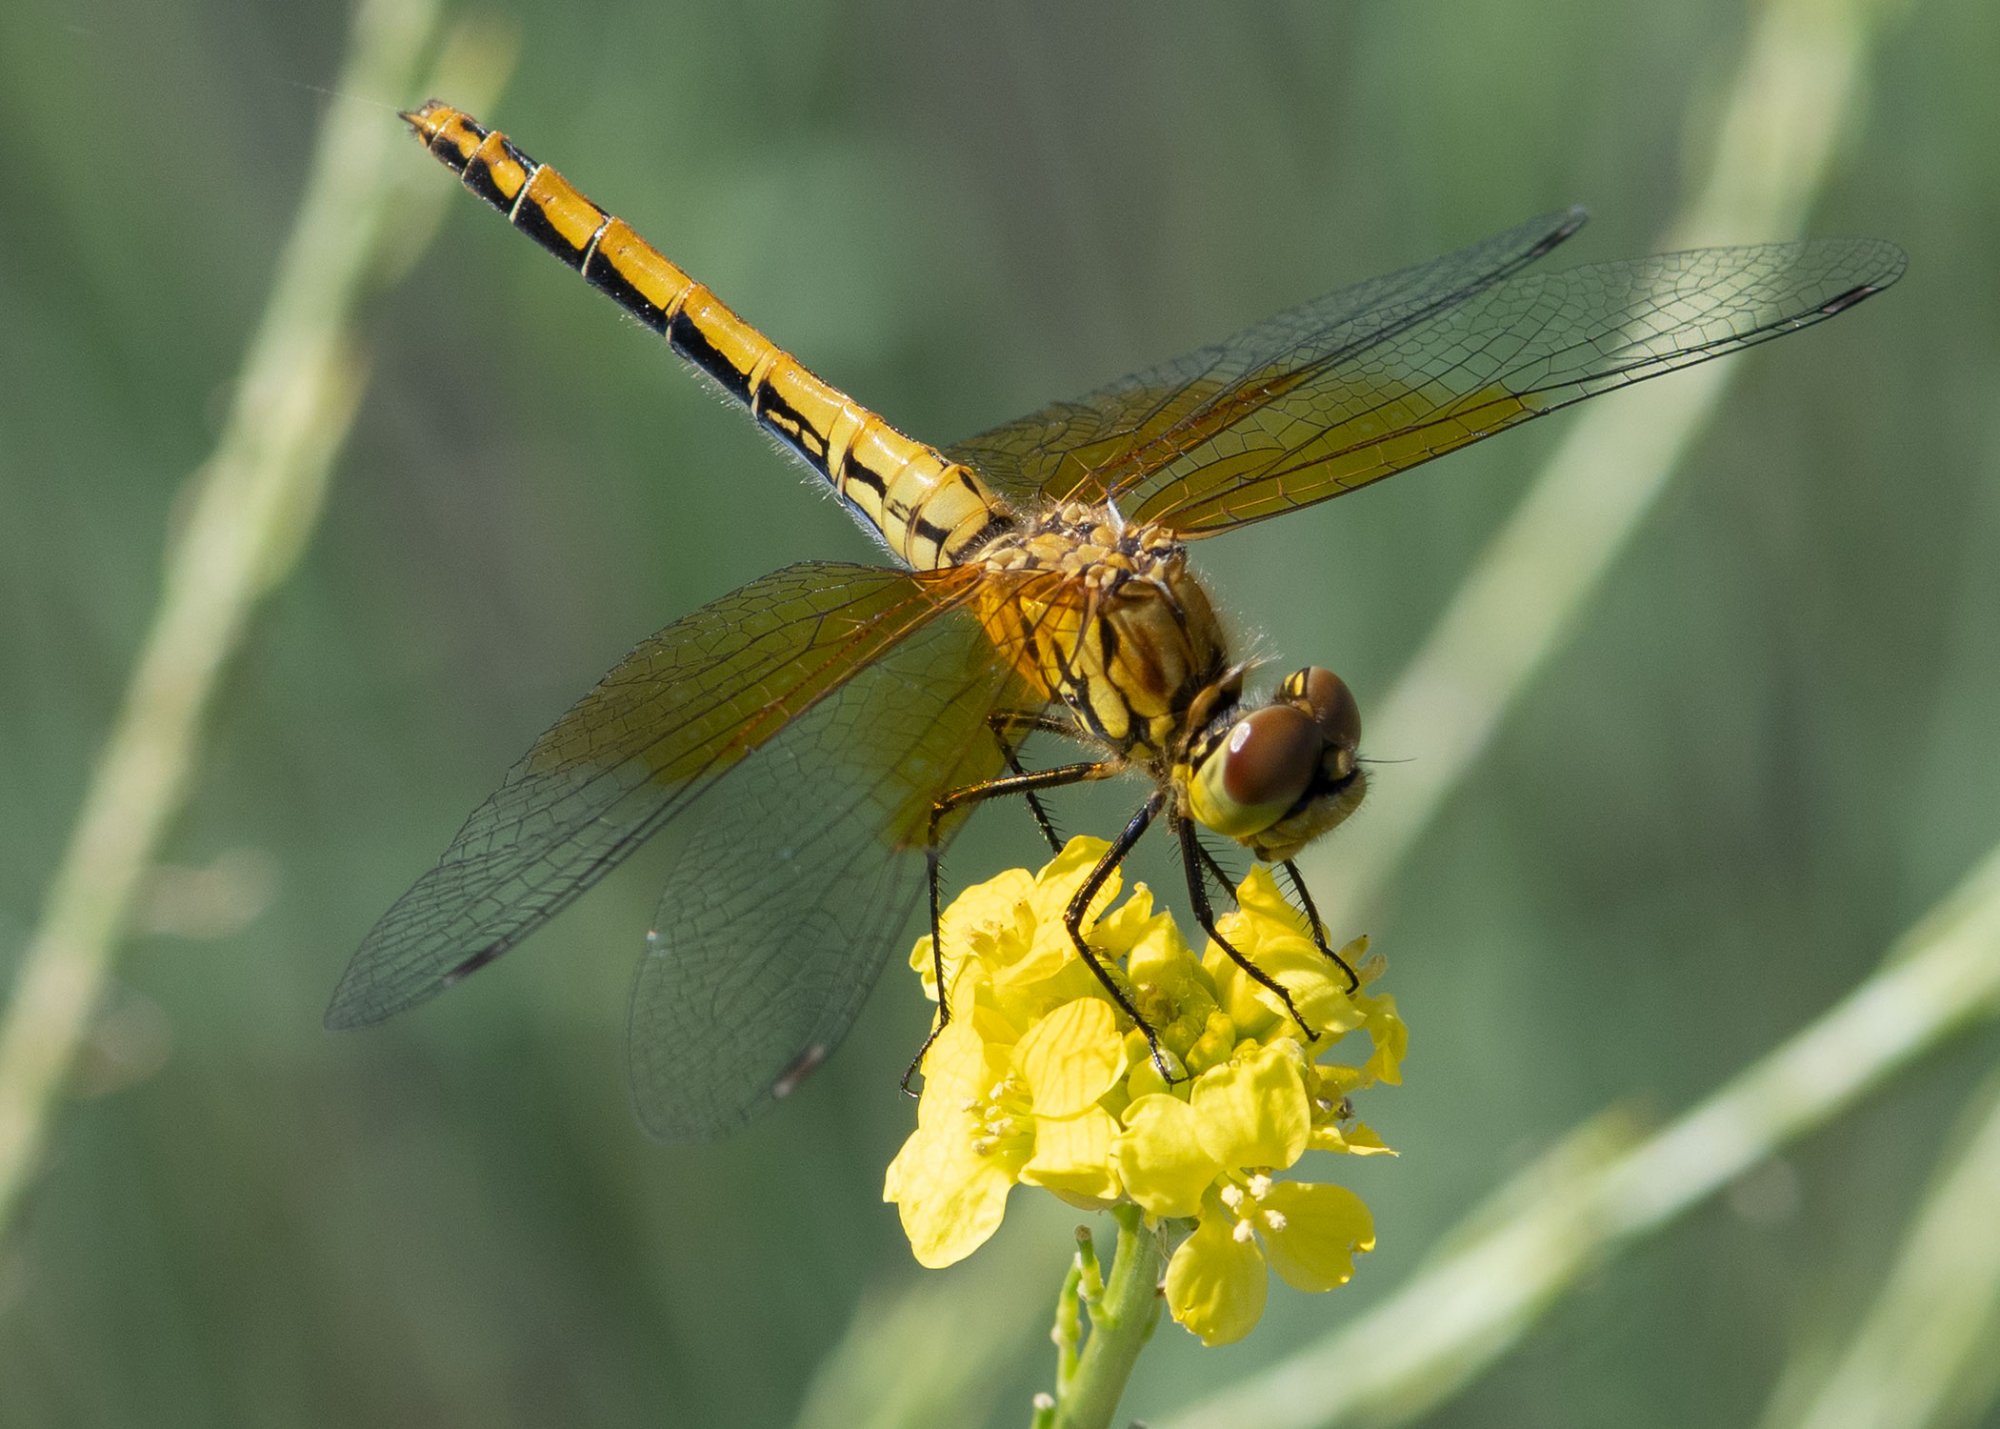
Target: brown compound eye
{"type": "Point", "coordinates": [1258, 772]}
{"type": "Point", "coordinates": [1332, 704]}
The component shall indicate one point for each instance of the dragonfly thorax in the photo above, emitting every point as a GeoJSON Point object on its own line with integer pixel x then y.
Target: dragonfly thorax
{"type": "Point", "coordinates": [1107, 618]}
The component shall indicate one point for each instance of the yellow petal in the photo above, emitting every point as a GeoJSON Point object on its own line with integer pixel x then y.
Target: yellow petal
{"type": "Point", "coordinates": [1161, 1159]}
{"type": "Point", "coordinates": [1010, 1005]}
{"type": "Point", "coordinates": [1312, 1232]}
{"type": "Point", "coordinates": [950, 1198]}
{"type": "Point", "coordinates": [1042, 952]}
{"type": "Point", "coordinates": [1259, 897]}
{"type": "Point", "coordinates": [1215, 1044]}
{"type": "Point", "coordinates": [1392, 1042]}
{"type": "Point", "coordinates": [925, 967]}
{"type": "Point", "coordinates": [1071, 1057]}
{"type": "Point", "coordinates": [1115, 933]}
{"type": "Point", "coordinates": [1276, 938]}
{"type": "Point", "coordinates": [1334, 1080]}
{"type": "Point", "coordinates": [1060, 881]}
{"type": "Point", "coordinates": [971, 924]}
{"type": "Point", "coordinates": [1254, 1112]}
{"type": "Point", "coordinates": [1073, 1155]}
{"type": "Point", "coordinates": [1216, 1284]}
{"type": "Point", "coordinates": [1318, 988]}
{"type": "Point", "coordinates": [1360, 1139]}
{"type": "Point", "coordinates": [1060, 878]}
{"type": "Point", "coordinates": [1144, 1078]}
{"type": "Point", "coordinates": [986, 910]}
{"type": "Point", "coordinates": [990, 1008]}
{"type": "Point", "coordinates": [958, 1068]}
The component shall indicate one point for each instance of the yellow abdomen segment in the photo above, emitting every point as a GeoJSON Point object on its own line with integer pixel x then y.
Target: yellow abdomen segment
{"type": "Point", "coordinates": [929, 511]}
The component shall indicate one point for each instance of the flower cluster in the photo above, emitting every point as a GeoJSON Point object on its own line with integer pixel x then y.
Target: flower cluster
{"type": "Point", "coordinates": [1040, 1079]}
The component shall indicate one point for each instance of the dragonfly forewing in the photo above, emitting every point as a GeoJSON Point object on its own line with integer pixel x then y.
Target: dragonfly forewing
{"type": "Point", "coordinates": [1087, 448]}
{"type": "Point", "coordinates": [1513, 351]}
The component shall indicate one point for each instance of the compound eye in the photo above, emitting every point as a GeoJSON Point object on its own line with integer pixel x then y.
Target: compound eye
{"type": "Point", "coordinates": [1332, 705]}
{"type": "Point", "coordinates": [1260, 771]}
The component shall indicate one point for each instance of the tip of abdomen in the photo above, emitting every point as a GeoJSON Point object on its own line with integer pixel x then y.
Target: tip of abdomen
{"type": "Point", "coordinates": [434, 118]}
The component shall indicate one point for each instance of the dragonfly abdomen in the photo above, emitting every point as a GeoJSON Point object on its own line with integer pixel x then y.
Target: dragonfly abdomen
{"type": "Point", "coordinates": [929, 511]}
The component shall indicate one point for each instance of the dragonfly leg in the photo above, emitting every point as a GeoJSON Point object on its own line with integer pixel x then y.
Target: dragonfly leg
{"type": "Point", "coordinates": [1005, 726]}
{"type": "Point", "coordinates": [1018, 783]}
{"type": "Point", "coordinates": [1027, 722]}
{"type": "Point", "coordinates": [1319, 929]}
{"type": "Point", "coordinates": [1079, 904]}
{"type": "Point", "coordinates": [1215, 869]}
{"type": "Point", "coordinates": [1204, 914]}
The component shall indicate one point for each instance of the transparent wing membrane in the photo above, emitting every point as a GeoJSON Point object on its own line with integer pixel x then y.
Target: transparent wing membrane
{"type": "Point", "coordinates": [1517, 350]}
{"type": "Point", "coordinates": [1073, 448]}
{"type": "Point", "coordinates": [672, 718]}
{"type": "Point", "coordinates": [1379, 377]}
{"type": "Point", "coordinates": [801, 872]}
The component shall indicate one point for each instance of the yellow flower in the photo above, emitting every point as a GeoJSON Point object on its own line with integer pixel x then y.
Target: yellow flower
{"type": "Point", "coordinates": [993, 1115]}
{"type": "Point", "coordinates": [1007, 953]}
{"type": "Point", "coordinates": [1267, 930]}
{"type": "Point", "coordinates": [1040, 1079]}
{"type": "Point", "coordinates": [1208, 1157]}
{"type": "Point", "coordinates": [1249, 1113]}
{"type": "Point", "coordinates": [1309, 1234]}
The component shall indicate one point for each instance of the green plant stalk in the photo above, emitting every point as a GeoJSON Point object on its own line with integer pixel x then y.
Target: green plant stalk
{"type": "Point", "coordinates": [1122, 1319]}
{"type": "Point", "coordinates": [1923, 1354]}
{"type": "Point", "coordinates": [254, 504]}
{"type": "Point", "coordinates": [1450, 1321]}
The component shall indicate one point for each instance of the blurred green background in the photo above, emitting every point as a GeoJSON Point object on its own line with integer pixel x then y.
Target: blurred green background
{"type": "Point", "coordinates": [1767, 749]}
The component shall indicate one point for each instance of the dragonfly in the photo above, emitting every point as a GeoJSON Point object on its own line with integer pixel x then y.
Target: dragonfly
{"type": "Point", "coordinates": [823, 732]}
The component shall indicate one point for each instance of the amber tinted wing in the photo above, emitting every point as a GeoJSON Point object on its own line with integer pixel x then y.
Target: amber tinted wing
{"type": "Point", "coordinates": [1139, 424]}
{"type": "Point", "coordinates": [666, 724]}
{"type": "Point", "coordinates": [800, 876]}
{"type": "Point", "coordinates": [1312, 426]}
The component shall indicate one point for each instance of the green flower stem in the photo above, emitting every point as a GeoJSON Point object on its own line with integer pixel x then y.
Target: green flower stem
{"type": "Point", "coordinates": [1084, 1281]}
{"type": "Point", "coordinates": [1122, 1317]}
{"type": "Point", "coordinates": [252, 507]}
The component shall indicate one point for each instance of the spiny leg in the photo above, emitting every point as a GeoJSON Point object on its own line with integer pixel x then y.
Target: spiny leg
{"type": "Point", "coordinates": [1299, 891]}
{"type": "Point", "coordinates": [1318, 929]}
{"type": "Point", "coordinates": [1079, 905]}
{"type": "Point", "coordinates": [1019, 783]}
{"type": "Point", "coordinates": [1006, 723]}
{"type": "Point", "coordinates": [1215, 869]}
{"type": "Point", "coordinates": [1204, 914]}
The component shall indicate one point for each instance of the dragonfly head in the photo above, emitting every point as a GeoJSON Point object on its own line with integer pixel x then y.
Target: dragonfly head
{"type": "Point", "coordinates": [1276, 777]}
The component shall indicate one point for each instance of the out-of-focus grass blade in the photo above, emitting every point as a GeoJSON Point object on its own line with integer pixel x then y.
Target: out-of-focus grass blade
{"type": "Point", "coordinates": [1924, 1353]}
{"type": "Point", "coordinates": [253, 507]}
